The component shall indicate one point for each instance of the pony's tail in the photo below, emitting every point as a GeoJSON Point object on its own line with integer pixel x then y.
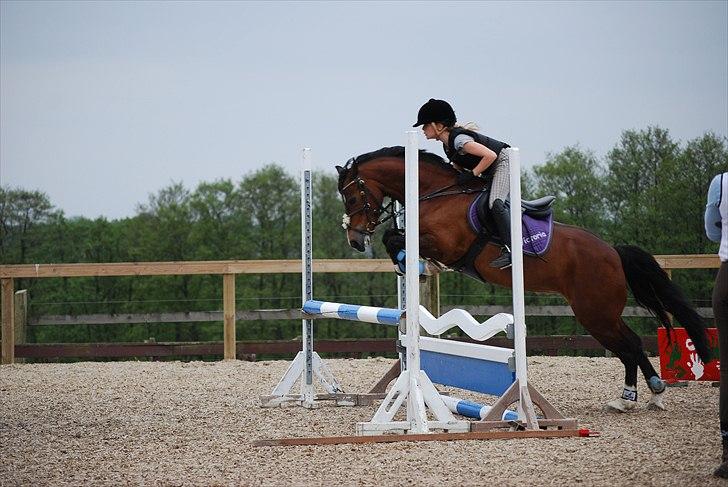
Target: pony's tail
{"type": "Point", "coordinates": [653, 289]}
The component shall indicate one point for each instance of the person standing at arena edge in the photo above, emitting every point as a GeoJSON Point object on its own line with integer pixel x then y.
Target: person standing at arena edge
{"type": "Point", "coordinates": [470, 151]}
{"type": "Point", "coordinates": [716, 228]}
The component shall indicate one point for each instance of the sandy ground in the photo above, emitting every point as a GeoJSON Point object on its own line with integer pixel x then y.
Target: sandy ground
{"type": "Point", "coordinates": [172, 423]}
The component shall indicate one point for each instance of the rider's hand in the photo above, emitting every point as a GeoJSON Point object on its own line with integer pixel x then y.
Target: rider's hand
{"type": "Point", "coordinates": [465, 177]}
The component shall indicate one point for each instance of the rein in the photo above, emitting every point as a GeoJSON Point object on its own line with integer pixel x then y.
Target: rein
{"type": "Point", "coordinates": [435, 194]}
{"type": "Point", "coordinates": [385, 213]}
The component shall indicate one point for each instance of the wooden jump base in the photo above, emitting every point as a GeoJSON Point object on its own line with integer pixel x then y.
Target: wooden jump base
{"type": "Point", "coordinates": [392, 438]}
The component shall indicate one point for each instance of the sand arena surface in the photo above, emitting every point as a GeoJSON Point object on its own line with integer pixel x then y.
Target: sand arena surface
{"type": "Point", "coordinates": [172, 423]}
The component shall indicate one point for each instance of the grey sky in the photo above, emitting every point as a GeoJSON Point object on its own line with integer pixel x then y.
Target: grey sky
{"type": "Point", "coordinates": [103, 103]}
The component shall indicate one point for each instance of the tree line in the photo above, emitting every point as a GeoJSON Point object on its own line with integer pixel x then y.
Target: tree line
{"type": "Point", "coordinates": [648, 190]}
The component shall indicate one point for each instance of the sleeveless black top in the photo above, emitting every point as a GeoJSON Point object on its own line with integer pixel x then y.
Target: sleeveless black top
{"type": "Point", "coordinates": [469, 161]}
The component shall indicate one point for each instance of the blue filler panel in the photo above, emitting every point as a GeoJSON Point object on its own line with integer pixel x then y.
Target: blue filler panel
{"type": "Point", "coordinates": [467, 373]}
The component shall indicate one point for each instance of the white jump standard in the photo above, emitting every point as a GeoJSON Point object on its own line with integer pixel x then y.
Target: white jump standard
{"type": "Point", "coordinates": [308, 364]}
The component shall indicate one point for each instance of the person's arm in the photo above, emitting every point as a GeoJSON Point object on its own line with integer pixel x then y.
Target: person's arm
{"type": "Point", "coordinates": [487, 156]}
{"type": "Point", "coordinates": [712, 211]}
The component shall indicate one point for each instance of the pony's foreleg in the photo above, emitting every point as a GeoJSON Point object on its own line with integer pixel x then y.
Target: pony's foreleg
{"type": "Point", "coordinates": [394, 242]}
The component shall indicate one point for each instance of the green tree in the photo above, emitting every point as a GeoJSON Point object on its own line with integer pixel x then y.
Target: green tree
{"type": "Point", "coordinates": [20, 212]}
{"type": "Point", "coordinates": [574, 176]}
{"type": "Point", "coordinates": [220, 222]}
{"type": "Point", "coordinates": [166, 220]}
{"type": "Point", "coordinates": [635, 172]}
{"type": "Point", "coordinates": [682, 197]}
{"type": "Point", "coordinates": [271, 199]}
{"type": "Point", "coordinates": [682, 192]}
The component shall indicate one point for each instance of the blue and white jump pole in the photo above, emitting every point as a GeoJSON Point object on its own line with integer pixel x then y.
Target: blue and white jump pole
{"type": "Point", "coordinates": [474, 410]}
{"type": "Point", "coordinates": [352, 312]}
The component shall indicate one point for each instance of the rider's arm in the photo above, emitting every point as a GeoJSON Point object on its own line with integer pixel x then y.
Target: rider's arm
{"type": "Point", "coordinates": [478, 149]}
{"type": "Point", "coordinates": [712, 213]}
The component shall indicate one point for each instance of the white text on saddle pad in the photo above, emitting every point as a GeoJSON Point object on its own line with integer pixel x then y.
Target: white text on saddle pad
{"type": "Point", "coordinates": [533, 238]}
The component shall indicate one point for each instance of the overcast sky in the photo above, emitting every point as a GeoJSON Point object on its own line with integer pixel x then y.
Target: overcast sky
{"type": "Point", "coordinates": [102, 104]}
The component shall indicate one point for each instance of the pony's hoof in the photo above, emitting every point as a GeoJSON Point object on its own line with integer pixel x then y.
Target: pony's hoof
{"type": "Point", "coordinates": [656, 403]}
{"type": "Point", "coordinates": [657, 385]}
{"type": "Point", "coordinates": [622, 405]}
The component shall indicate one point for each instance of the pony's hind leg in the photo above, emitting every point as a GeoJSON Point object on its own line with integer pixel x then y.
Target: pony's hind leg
{"type": "Point", "coordinates": [608, 328]}
{"type": "Point", "coordinates": [630, 351]}
{"type": "Point", "coordinates": [654, 382]}
{"type": "Point", "coordinates": [628, 399]}
{"type": "Point", "coordinates": [656, 385]}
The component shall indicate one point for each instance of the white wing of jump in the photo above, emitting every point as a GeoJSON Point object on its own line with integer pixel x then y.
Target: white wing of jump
{"type": "Point", "coordinates": [465, 321]}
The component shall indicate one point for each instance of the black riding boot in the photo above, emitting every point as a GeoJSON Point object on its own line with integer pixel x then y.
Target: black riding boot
{"type": "Point", "coordinates": [502, 217]}
{"type": "Point", "coordinates": [722, 470]}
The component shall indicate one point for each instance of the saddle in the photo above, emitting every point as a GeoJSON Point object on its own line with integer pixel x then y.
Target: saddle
{"type": "Point", "coordinates": [481, 219]}
{"type": "Point", "coordinates": [537, 224]}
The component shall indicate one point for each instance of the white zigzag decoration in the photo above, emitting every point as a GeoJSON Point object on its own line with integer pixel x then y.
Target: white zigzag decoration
{"type": "Point", "coordinates": [465, 321]}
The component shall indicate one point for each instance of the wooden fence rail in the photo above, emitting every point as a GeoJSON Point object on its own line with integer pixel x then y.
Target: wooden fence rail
{"type": "Point", "coordinates": [227, 269]}
{"type": "Point", "coordinates": [248, 350]}
{"type": "Point", "coordinates": [286, 314]}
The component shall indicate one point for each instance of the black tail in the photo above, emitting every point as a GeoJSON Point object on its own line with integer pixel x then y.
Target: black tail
{"type": "Point", "coordinates": [653, 289]}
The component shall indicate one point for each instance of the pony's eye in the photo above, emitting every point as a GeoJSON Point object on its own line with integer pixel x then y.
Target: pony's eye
{"type": "Point", "coordinates": [351, 201]}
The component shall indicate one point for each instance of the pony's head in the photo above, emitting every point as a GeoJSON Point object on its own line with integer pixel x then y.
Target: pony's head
{"type": "Point", "coordinates": [363, 199]}
{"type": "Point", "coordinates": [366, 180]}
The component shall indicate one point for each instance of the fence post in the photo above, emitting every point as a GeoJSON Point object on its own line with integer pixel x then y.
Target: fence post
{"type": "Point", "coordinates": [8, 321]}
{"type": "Point", "coordinates": [430, 293]}
{"type": "Point", "coordinates": [669, 315]}
{"type": "Point", "coordinates": [228, 303]}
{"type": "Point", "coordinates": [21, 319]}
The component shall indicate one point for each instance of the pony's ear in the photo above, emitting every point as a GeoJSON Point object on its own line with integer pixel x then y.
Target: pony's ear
{"type": "Point", "coordinates": [339, 169]}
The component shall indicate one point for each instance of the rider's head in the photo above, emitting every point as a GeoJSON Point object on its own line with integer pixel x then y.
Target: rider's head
{"type": "Point", "coordinates": [436, 111]}
{"type": "Point", "coordinates": [435, 116]}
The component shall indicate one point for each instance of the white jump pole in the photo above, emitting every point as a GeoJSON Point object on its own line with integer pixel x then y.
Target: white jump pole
{"type": "Point", "coordinates": [519, 312]}
{"type": "Point", "coordinates": [416, 413]}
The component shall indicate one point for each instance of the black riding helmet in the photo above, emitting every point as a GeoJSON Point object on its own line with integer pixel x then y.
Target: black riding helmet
{"type": "Point", "coordinates": [436, 111]}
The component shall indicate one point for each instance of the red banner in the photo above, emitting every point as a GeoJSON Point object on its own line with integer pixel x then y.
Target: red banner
{"type": "Point", "coordinates": [679, 361]}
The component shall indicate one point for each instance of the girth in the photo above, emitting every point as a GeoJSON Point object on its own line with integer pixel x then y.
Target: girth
{"type": "Point", "coordinates": [466, 263]}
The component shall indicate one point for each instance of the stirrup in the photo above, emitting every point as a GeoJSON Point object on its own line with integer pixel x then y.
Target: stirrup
{"type": "Point", "coordinates": [503, 261]}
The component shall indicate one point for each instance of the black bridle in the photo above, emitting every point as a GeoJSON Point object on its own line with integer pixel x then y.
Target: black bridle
{"type": "Point", "coordinates": [373, 213]}
{"type": "Point", "coordinates": [378, 214]}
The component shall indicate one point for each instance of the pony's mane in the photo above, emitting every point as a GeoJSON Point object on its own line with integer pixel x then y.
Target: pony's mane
{"type": "Point", "coordinates": [396, 151]}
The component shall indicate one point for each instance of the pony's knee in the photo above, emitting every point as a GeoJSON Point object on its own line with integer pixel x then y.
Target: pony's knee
{"type": "Point", "coordinates": [394, 241]}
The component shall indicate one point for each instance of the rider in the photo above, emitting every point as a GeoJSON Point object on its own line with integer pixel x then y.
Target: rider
{"type": "Point", "coordinates": [716, 228]}
{"type": "Point", "coordinates": [470, 151]}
